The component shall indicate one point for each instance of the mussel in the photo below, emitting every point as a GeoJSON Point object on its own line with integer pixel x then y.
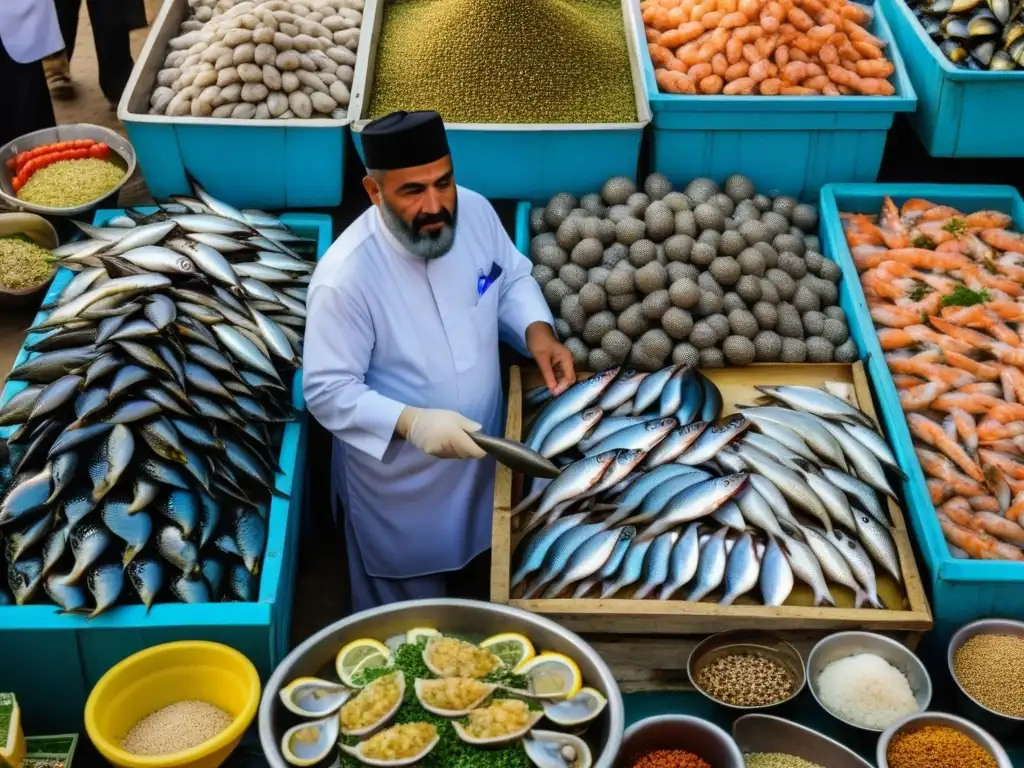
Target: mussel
{"type": "Point", "coordinates": [983, 24]}
{"type": "Point", "coordinates": [580, 709]}
{"type": "Point", "coordinates": [377, 749]}
{"type": "Point", "coordinates": [551, 749]}
{"type": "Point", "coordinates": [450, 657]}
{"type": "Point", "coordinates": [1001, 9]}
{"type": "Point", "coordinates": [452, 696]}
{"type": "Point", "coordinates": [313, 697]}
{"type": "Point", "coordinates": [983, 52]}
{"type": "Point", "coordinates": [310, 742]}
{"type": "Point", "coordinates": [374, 705]}
{"type": "Point", "coordinates": [1001, 62]}
{"type": "Point", "coordinates": [500, 722]}
{"type": "Point", "coordinates": [956, 28]}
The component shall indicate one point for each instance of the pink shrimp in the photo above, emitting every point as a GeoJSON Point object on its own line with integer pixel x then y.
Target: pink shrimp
{"type": "Point", "coordinates": [981, 388]}
{"type": "Point", "coordinates": [978, 545]}
{"type": "Point", "coordinates": [906, 381]}
{"type": "Point", "coordinates": [951, 377]}
{"type": "Point", "coordinates": [894, 338]}
{"type": "Point", "coordinates": [938, 231]}
{"type": "Point", "coordinates": [1015, 509]}
{"type": "Point", "coordinates": [982, 371]}
{"type": "Point", "coordinates": [990, 430]}
{"type": "Point", "coordinates": [972, 317]}
{"type": "Point", "coordinates": [893, 316]}
{"type": "Point", "coordinates": [921, 397]}
{"type": "Point", "coordinates": [988, 220]}
{"type": "Point", "coordinates": [921, 258]}
{"type": "Point", "coordinates": [1007, 354]}
{"type": "Point", "coordinates": [1007, 412]}
{"type": "Point", "coordinates": [1004, 462]}
{"type": "Point", "coordinates": [930, 433]}
{"type": "Point", "coordinates": [966, 335]}
{"type": "Point", "coordinates": [938, 466]}
{"type": "Point", "coordinates": [894, 231]}
{"type": "Point", "coordinates": [966, 429]}
{"type": "Point", "coordinates": [940, 213]}
{"type": "Point", "coordinates": [1008, 311]}
{"type": "Point", "coordinates": [983, 522]}
{"type": "Point", "coordinates": [977, 279]}
{"type": "Point", "coordinates": [914, 209]}
{"type": "Point", "coordinates": [938, 490]}
{"type": "Point", "coordinates": [925, 335]}
{"type": "Point", "coordinates": [1003, 240]}
{"type": "Point", "coordinates": [1012, 381]}
{"type": "Point", "coordinates": [866, 255]}
{"type": "Point", "coordinates": [985, 504]}
{"type": "Point", "coordinates": [970, 402]}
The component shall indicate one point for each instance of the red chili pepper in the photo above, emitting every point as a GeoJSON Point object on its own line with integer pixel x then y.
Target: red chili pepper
{"type": "Point", "coordinates": [16, 183]}
{"type": "Point", "coordinates": [99, 151]}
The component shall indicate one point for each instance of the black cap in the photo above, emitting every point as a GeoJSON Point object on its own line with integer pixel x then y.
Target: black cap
{"type": "Point", "coordinates": [404, 140]}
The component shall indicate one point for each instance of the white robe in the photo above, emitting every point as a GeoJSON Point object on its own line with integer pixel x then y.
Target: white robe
{"type": "Point", "coordinates": [29, 29]}
{"type": "Point", "coordinates": [386, 329]}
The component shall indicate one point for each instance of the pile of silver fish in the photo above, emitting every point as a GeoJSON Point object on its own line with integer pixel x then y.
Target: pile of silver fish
{"type": "Point", "coordinates": [975, 34]}
{"type": "Point", "coordinates": [657, 496]}
{"type": "Point", "coordinates": [145, 450]}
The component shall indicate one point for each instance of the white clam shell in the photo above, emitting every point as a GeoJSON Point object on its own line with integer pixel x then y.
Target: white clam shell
{"type": "Point", "coordinates": [388, 715]}
{"type": "Point", "coordinates": [310, 742]}
{"type": "Point", "coordinates": [419, 686]}
{"type": "Point", "coordinates": [357, 753]}
{"type": "Point", "coordinates": [496, 740]}
{"type": "Point", "coordinates": [444, 673]}
{"type": "Point", "coordinates": [581, 708]}
{"type": "Point", "coordinates": [544, 748]}
{"type": "Point", "coordinates": [313, 697]}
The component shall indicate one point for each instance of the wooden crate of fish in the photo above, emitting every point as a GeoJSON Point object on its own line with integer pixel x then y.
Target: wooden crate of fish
{"type": "Point", "coordinates": [680, 537]}
{"type": "Point", "coordinates": [142, 603]}
{"type": "Point", "coordinates": [962, 366]}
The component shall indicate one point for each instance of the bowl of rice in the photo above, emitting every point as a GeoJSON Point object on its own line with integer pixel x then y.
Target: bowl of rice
{"type": "Point", "coordinates": [69, 187]}
{"type": "Point", "coordinates": [866, 680]}
{"type": "Point", "coordinates": [26, 269]}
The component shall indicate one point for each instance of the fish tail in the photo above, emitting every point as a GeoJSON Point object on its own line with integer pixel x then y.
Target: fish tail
{"type": "Point", "coordinates": [729, 599]}
{"type": "Point", "coordinates": [70, 611]}
{"type": "Point", "coordinates": [643, 591]}
{"type": "Point", "coordinates": [279, 494]}
{"type": "Point", "coordinates": [607, 590]}
{"type": "Point", "coordinates": [533, 589]}
{"type": "Point", "coordinates": [824, 596]}
{"type": "Point", "coordinates": [667, 591]}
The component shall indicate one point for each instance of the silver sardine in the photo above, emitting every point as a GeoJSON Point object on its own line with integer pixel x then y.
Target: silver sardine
{"type": "Point", "coordinates": [675, 443]}
{"type": "Point", "coordinates": [859, 563]}
{"type": "Point", "coordinates": [557, 558]}
{"type": "Point", "coordinates": [656, 564]}
{"type": "Point", "coordinates": [642, 437]}
{"type": "Point", "coordinates": [741, 570]}
{"type": "Point", "coordinates": [589, 558]}
{"type": "Point", "coordinates": [807, 568]}
{"type": "Point", "coordinates": [786, 480]}
{"type": "Point", "coordinates": [695, 502]}
{"type": "Point", "coordinates": [712, 440]}
{"type": "Point", "coordinates": [710, 567]}
{"type": "Point", "coordinates": [568, 434]}
{"type": "Point", "coordinates": [682, 564]}
{"type": "Point", "coordinates": [858, 491]}
{"type": "Point", "coordinates": [879, 543]}
{"type": "Point", "coordinates": [630, 570]}
{"type": "Point", "coordinates": [776, 575]}
{"type": "Point", "coordinates": [579, 396]}
{"type": "Point", "coordinates": [649, 391]}
{"type": "Point", "coordinates": [816, 401]}
{"type": "Point", "coordinates": [621, 390]}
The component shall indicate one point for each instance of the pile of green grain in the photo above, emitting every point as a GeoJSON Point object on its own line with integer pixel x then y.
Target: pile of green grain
{"type": "Point", "coordinates": [505, 61]}
{"type": "Point", "coordinates": [23, 264]}
{"type": "Point", "coordinates": [70, 183]}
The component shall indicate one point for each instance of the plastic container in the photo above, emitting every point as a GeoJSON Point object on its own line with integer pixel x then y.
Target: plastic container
{"type": "Point", "coordinates": [158, 677]}
{"type": "Point", "coordinates": [50, 749]}
{"type": "Point", "coordinates": [962, 590]}
{"type": "Point", "coordinates": [525, 161]}
{"type": "Point", "coordinates": [273, 164]}
{"type": "Point", "coordinates": [42, 651]}
{"type": "Point", "coordinates": [960, 113]}
{"type": "Point", "coordinates": [789, 145]}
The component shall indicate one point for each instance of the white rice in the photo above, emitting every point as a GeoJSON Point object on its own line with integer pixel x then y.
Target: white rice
{"type": "Point", "coordinates": [867, 690]}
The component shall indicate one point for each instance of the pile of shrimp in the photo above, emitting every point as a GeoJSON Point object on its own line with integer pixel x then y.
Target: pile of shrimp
{"type": "Point", "coordinates": [766, 47]}
{"type": "Point", "coordinates": [946, 293]}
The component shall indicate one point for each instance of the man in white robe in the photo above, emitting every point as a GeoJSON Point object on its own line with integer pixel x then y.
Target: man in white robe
{"type": "Point", "coordinates": [401, 360]}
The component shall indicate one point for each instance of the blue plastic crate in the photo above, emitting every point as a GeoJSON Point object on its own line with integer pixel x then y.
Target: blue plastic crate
{"type": "Point", "coordinates": [786, 144]}
{"type": "Point", "coordinates": [960, 113]}
{"type": "Point", "coordinates": [51, 661]}
{"type": "Point", "coordinates": [274, 164]}
{"type": "Point", "coordinates": [962, 590]}
{"type": "Point", "coordinates": [524, 161]}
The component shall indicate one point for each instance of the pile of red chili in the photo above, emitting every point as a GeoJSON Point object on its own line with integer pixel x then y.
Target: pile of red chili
{"type": "Point", "coordinates": [670, 758]}
{"type": "Point", "coordinates": [28, 162]}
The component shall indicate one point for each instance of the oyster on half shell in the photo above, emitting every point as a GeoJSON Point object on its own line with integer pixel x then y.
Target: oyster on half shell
{"type": "Point", "coordinates": [310, 742]}
{"type": "Point", "coordinates": [452, 696]}
{"type": "Point", "coordinates": [582, 708]}
{"type": "Point", "coordinates": [374, 705]}
{"type": "Point", "coordinates": [313, 697]}
{"type": "Point", "coordinates": [500, 722]}
{"type": "Point", "coordinates": [398, 745]}
{"type": "Point", "coordinates": [551, 749]}
{"type": "Point", "coordinates": [450, 657]}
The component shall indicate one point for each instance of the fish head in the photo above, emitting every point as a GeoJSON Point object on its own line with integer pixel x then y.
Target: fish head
{"type": "Point", "coordinates": [605, 377]}
{"type": "Point", "coordinates": [591, 416]}
{"type": "Point", "coordinates": [732, 484]}
{"type": "Point", "coordinates": [630, 374]}
{"type": "Point", "coordinates": [605, 459]}
{"type": "Point", "coordinates": [662, 426]}
{"type": "Point", "coordinates": [627, 533]}
{"type": "Point", "coordinates": [735, 422]}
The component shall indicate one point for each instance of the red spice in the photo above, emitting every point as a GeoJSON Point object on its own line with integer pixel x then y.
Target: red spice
{"type": "Point", "coordinates": [670, 758]}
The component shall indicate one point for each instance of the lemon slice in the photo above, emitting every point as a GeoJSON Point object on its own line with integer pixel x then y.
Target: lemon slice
{"type": "Point", "coordinates": [416, 634]}
{"type": "Point", "coordinates": [512, 648]}
{"type": "Point", "coordinates": [360, 655]}
{"type": "Point", "coordinates": [552, 676]}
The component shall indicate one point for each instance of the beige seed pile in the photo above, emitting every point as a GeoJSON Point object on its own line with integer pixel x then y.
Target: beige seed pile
{"type": "Point", "coordinates": [23, 264]}
{"type": "Point", "coordinates": [777, 760]}
{"type": "Point", "coordinates": [991, 669]}
{"type": "Point", "coordinates": [505, 61]}
{"type": "Point", "coordinates": [176, 727]}
{"type": "Point", "coordinates": [71, 182]}
{"type": "Point", "coordinates": [746, 680]}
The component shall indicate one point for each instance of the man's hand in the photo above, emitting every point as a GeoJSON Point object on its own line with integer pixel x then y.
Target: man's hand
{"type": "Point", "coordinates": [553, 358]}
{"type": "Point", "coordinates": [439, 433]}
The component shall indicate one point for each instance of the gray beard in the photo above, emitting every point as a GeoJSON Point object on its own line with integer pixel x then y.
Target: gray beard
{"type": "Point", "coordinates": [426, 246]}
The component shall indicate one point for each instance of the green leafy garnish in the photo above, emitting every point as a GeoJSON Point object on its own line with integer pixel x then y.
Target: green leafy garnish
{"type": "Point", "coordinates": [955, 226]}
{"type": "Point", "coordinates": [923, 241]}
{"type": "Point", "coordinates": [920, 291]}
{"type": "Point", "coordinates": [962, 296]}
{"type": "Point", "coordinates": [450, 752]}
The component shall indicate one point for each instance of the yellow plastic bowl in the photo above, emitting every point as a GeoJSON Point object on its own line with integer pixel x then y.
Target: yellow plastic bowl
{"type": "Point", "coordinates": [165, 674]}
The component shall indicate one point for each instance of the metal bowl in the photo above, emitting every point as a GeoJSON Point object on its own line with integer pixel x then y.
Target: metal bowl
{"type": "Point", "coordinates": [122, 153]}
{"type": "Point", "coordinates": [981, 737]}
{"type": "Point", "coordinates": [316, 655]}
{"type": "Point", "coordinates": [41, 232]}
{"type": "Point", "coordinates": [746, 641]}
{"type": "Point", "coordinates": [693, 734]}
{"type": "Point", "coordinates": [766, 733]}
{"type": "Point", "coordinates": [973, 708]}
{"type": "Point", "coordinates": [843, 644]}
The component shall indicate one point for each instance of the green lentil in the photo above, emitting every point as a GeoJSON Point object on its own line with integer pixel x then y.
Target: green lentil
{"type": "Point", "coordinates": [505, 61]}
{"type": "Point", "coordinates": [23, 264]}
{"type": "Point", "coordinates": [71, 182]}
{"type": "Point", "coordinates": [777, 760]}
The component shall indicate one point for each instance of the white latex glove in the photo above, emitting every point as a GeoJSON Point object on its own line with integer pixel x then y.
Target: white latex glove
{"type": "Point", "coordinates": [440, 433]}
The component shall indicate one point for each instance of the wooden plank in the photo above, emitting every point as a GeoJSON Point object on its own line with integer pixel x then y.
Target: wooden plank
{"type": "Point", "coordinates": [677, 617]}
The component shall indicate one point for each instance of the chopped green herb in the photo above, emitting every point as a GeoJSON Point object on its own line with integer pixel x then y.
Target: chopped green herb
{"type": "Point", "coordinates": [923, 241]}
{"type": "Point", "coordinates": [920, 291]}
{"type": "Point", "coordinates": [955, 226]}
{"type": "Point", "coordinates": [962, 296]}
{"type": "Point", "coordinates": [450, 752]}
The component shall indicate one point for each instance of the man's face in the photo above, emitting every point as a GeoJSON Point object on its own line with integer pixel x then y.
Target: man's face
{"type": "Point", "coordinates": [418, 205]}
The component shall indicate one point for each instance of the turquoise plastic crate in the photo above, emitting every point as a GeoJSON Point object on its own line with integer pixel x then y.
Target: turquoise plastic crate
{"type": "Point", "coordinates": [962, 590]}
{"type": "Point", "coordinates": [273, 164]}
{"type": "Point", "coordinates": [525, 161]}
{"type": "Point", "coordinates": [52, 661]}
{"type": "Point", "coordinates": [960, 113]}
{"type": "Point", "coordinates": [786, 144]}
